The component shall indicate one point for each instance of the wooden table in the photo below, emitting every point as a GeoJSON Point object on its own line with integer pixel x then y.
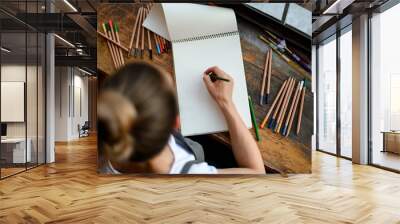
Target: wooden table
{"type": "Point", "coordinates": [286, 155]}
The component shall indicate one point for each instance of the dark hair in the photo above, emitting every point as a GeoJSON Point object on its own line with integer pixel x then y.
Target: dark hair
{"type": "Point", "coordinates": [137, 110]}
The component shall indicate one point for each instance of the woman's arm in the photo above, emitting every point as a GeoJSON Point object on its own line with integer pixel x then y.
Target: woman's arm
{"type": "Point", "coordinates": [244, 147]}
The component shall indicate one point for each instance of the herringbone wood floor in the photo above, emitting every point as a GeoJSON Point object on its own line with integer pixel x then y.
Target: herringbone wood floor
{"type": "Point", "coordinates": [70, 191]}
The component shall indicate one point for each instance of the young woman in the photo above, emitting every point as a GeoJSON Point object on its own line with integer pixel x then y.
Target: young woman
{"type": "Point", "coordinates": [138, 126]}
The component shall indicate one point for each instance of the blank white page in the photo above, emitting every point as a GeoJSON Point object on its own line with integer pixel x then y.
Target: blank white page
{"type": "Point", "coordinates": [199, 113]}
{"type": "Point", "coordinates": [155, 21]}
{"type": "Point", "coordinates": [186, 20]}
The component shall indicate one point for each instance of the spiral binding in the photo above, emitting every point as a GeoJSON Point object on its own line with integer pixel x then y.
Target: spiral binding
{"type": "Point", "coordinates": [212, 36]}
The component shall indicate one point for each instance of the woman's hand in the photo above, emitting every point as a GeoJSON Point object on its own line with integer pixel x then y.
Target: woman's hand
{"type": "Point", "coordinates": [220, 90]}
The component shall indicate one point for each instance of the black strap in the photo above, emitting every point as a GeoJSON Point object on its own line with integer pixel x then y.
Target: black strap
{"type": "Point", "coordinates": [192, 147]}
{"type": "Point", "coordinates": [189, 145]}
{"type": "Point", "coordinates": [185, 169]}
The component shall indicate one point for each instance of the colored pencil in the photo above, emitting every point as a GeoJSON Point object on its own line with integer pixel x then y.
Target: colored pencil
{"type": "Point", "coordinates": [165, 44]}
{"type": "Point", "coordinates": [293, 55]}
{"type": "Point", "coordinates": [109, 46]}
{"type": "Point", "coordinates": [294, 110]}
{"type": "Point", "coordinates": [114, 49]}
{"type": "Point", "coordinates": [269, 76]}
{"type": "Point", "coordinates": [116, 29]}
{"type": "Point", "coordinates": [284, 107]}
{"type": "Point", "coordinates": [137, 50]}
{"type": "Point", "coordinates": [272, 122]}
{"type": "Point", "coordinates": [114, 36]}
{"type": "Point", "coordinates": [158, 50]}
{"type": "Point", "coordinates": [301, 110]}
{"type": "Point", "coordinates": [285, 58]}
{"type": "Point", "coordinates": [142, 28]}
{"type": "Point", "coordinates": [253, 119]}
{"type": "Point", "coordinates": [112, 41]}
{"type": "Point", "coordinates": [150, 48]}
{"type": "Point", "coordinates": [160, 43]}
{"type": "Point", "coordinates": [139, 14]}
{"type": "Point", "coordinates": [262, 96]}
{"type": "Point", "coordinates": [290, 112]}
{"type": "Point", "coordinates": [273, 104]}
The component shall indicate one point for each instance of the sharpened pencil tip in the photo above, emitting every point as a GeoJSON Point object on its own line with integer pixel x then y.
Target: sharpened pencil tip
{"type": "Point", "coordinates": [284, 130]}
{"type": "Point", "coordinates": [151, 54]}
{"type": "Point", "coordinates": [262, 100]}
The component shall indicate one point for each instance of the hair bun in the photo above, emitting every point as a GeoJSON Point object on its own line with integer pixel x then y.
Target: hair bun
{"type": "Point", "coordinates": [117, 115]}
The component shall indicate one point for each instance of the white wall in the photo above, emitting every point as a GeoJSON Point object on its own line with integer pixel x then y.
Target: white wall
{"type": "Point", "coordinates": [12, 73]}
{"type": "Point", "coordinates": [71, 93]}
{"type": "Point", "coordinates": [61, 103]}
{"type": "Point", "coordinates": [33, 126]}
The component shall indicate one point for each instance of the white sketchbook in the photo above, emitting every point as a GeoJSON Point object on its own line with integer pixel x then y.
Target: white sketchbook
{"type": "Point", "coordinates": [201, 36]}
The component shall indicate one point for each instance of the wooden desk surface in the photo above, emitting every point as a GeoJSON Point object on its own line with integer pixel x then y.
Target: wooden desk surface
{"type": "Point", "coordinates": [286, 155]}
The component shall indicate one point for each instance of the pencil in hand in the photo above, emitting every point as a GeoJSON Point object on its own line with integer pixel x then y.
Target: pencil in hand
{"type": "Point", "coordinates": [214, 77]}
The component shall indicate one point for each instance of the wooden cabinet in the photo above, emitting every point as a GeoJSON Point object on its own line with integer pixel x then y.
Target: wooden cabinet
{"type": "Point", "coordinates": [391, 142]}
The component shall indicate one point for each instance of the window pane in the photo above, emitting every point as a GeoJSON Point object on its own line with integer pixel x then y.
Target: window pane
{"type": "Point", "coordinates": [346, 94]}
{"type": "Point", "coordinates": [299, 18]}
{"type": "Point", "coordinates": [327, 97]}
{"type": "Point", "coordinates": [14, 153]}
{"type": "Point", "coordinates": [385, 116]}
{"type": "Point", "coordinates": [272, 9]}
{"type": "Point", "coordinates": [31, 99]}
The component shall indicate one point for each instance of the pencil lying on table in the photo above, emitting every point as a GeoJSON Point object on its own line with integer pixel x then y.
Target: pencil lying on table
{"type": "Point", "coordinates": [113, 41]}
{"type": "Point", "coordinates": [139, 32]}
{"type": "Point", "coordinates": [142, 28]}
{"type": "Point", "coordinates": [160, 43]}
{"type": "Point", "coordinates": [294, 110]}
{"type": "Point", "coordinates": [269, 75]}
{"type": "Point", "coordinates": [284, 107]}
{"type": "Point", "coordinates": [139, 25]}
{"type": "Point", "coordinates": [150, 48]}
{"type": "Point", "coordinates": [165, 44]}
{"type": "Point", "coordinates": [272, 122]}
{"type": "Point", "coordinates": [157, 45]}
{"type": "Point", "coordinates": [113, 47]}
{"type": "Point", "coordinates": [303, 93]}
{"type": "Point", "coordinates": [116, 29]}
{"type": "Point", "coordinates": [253, 119]}
{"type": "Point", "coordinates": [131, 50]}
{"type": "Point", "coordinates": [273, 104]}
{"type": "Point", "coordinates": [284, 57]}
{"type": "Point", "coordinates": [290, 112]}
{"type": "Point", "coordinates": [282, 112]}
{"type": "Point", "coordinates": [281, 44]}
{"type": "Point", "coordinates": [114, 37]}
{"type": "Point", "coordinates": [109, 46]}
{"type": "Point", "coordinates": [262, 95]}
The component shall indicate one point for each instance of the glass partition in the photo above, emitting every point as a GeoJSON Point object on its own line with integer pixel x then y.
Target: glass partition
{"type": "Point", "coordinates": [326, 99]}
{"type": "Point", "coordinates": [14, 153]}
{"type": "Point", "coordinates": [346, 93]}
{"type": "Point", "coordinates": [22, 78]}
{"type": "Point", "coordinates": [385, 89]}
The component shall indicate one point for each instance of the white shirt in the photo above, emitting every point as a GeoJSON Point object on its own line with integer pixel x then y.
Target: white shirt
{"type": "Point", "coordinates": [182, 156]}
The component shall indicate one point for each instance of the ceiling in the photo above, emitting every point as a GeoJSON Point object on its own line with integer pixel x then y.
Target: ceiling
{"type": "Point", "coordinates": [331, 15]}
